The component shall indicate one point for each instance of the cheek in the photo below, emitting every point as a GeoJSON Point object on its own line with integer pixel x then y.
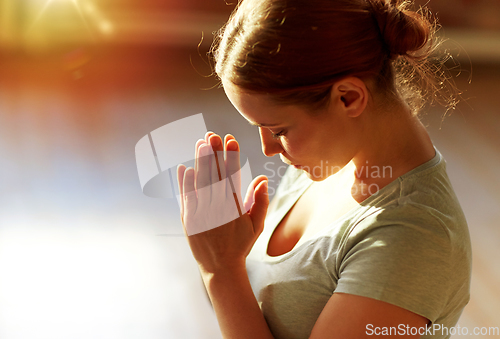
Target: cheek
{"type": "Point", "coordinates": [297, 147]}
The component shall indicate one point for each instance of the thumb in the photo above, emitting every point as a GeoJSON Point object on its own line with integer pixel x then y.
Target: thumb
{"type": "Point", "coordinates": [250, 195]}
{"type": "Point", "coordinates": [259, 207]}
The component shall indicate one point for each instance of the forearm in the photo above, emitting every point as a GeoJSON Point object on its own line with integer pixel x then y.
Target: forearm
{"type": "Point", "coordinates": [205, 290]}
{"type": "Point", "coordinates": [235, 305]}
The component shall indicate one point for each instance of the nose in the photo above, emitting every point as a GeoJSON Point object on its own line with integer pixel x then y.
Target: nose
{"type": "Point", "coordinates": [270, 145]}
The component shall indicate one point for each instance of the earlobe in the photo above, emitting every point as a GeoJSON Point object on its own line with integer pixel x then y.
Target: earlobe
{"type": "Point", "coordinates": [353, 95]}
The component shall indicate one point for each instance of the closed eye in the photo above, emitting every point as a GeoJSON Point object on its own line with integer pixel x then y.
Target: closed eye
{"type": "Point", "coordinates": [279, 134]}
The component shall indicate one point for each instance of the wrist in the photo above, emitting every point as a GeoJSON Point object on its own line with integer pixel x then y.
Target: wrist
{"type": "Point", "coordinates": [223, 273]}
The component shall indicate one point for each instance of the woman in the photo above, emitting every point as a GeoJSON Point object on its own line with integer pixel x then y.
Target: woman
{"type": "Point", "coordinates": [365, 235]}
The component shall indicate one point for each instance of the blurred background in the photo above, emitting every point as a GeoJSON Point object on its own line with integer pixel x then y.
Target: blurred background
{"type": "Point", "coordinates": [83, 253]}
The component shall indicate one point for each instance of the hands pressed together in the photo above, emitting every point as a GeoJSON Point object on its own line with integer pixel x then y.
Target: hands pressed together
{"type": "Point", "coordinates": [221, 228]}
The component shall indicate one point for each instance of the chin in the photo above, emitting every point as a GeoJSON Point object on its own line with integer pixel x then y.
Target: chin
{"type": "Point", "coordinates": [285, 160]}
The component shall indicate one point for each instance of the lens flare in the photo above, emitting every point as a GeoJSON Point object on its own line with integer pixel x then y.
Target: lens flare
{"type": "Point", "coordinates": [92, 20]}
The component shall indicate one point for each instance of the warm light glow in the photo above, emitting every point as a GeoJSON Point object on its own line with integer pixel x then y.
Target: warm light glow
{"type": "Point", "coordinates": [106, 27]}
{"type": "Point", "coordinates": [89, 8]}
{"type": "Point", "coordinates": [83, 18]}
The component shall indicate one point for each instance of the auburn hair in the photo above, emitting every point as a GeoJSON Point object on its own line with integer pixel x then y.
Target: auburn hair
{"type": "Point", "coordinates": [295, 50]}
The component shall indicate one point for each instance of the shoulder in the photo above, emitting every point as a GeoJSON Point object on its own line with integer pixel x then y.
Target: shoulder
{"type": "Point", "coordinates": [425, 218]}
{"type": "Point", "coordinates": [411, 241]}
{"type": "Point", "coordinates": [421, 199]}
{"type": "Point", "coordinates": [411, 259]}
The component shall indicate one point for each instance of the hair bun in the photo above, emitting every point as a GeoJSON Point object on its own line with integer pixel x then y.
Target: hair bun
{"type": "Point", "coordinates": [404, 31]}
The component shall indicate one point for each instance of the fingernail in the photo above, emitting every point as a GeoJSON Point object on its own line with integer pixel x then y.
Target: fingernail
{"type": "Point", "coordinates": [204, 149]}
{"type": "Point", "coordinates": [232, 146]}
{"type": "Point", "coordinates": [215, 141]}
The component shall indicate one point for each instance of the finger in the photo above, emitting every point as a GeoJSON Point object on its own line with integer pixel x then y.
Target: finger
{"type": "Point", "coordinates": [227, 138]}
{"type": "Point", "coordinates": [180, 180]}
{"type": "Point", "coordinates": [258, 210]}
{"type": "Point", "coordinates": [250, 195]}
{"type": "Point", "coordinates": [197, 157]}
{"type": "Point", "coordinates": [203, 173]}
{"type": "Point", "coordinates": [232, 157]}
{"type": "Point", "coordinates": [189, 193]}
{"type": "Point", "coordinates": [233, 165]}
{"type": "Point", "coordinates": [208, 135]}
{"type": "Point", "coordinates": [196, 152]}
{"type": "Point", "coordinates": [218, 170]}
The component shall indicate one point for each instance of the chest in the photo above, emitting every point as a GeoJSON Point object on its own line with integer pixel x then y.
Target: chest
{"type": "Point", "coordinates": [317, 208]}
{"type": "Point", "coordinates": [286, 288]}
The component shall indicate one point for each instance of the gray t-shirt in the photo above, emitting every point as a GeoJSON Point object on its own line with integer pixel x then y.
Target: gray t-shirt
{"type": "Point", "coordinates": [407, 245]}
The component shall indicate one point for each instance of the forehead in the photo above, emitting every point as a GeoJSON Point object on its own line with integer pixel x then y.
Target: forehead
{"type": "Point", "coordinates": [244, 100]}
{"type": "Point", "coordinates": [260, 109]}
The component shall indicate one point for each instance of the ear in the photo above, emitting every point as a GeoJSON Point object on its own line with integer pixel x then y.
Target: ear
{"type": "Point", "coordinates": [350, 95]}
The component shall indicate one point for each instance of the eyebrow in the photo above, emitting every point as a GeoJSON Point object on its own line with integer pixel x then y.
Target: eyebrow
{"type": "Point", "coordinates": [262, 125]}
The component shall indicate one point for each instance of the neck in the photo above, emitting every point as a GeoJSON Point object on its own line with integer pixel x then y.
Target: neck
{"type": "Point", "coordinates": [398, 142]}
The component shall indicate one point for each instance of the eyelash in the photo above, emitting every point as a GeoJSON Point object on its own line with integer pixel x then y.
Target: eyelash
{"type": "Point", "coordinates": [279, 134]}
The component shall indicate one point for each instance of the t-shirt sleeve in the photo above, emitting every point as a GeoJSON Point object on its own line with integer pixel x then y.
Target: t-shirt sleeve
{"type": "Point", "coordinates": [406, 263]}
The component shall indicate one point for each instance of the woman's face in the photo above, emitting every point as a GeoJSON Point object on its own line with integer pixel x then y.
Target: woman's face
{"type": "Point", "coordinates": [320, 143]}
